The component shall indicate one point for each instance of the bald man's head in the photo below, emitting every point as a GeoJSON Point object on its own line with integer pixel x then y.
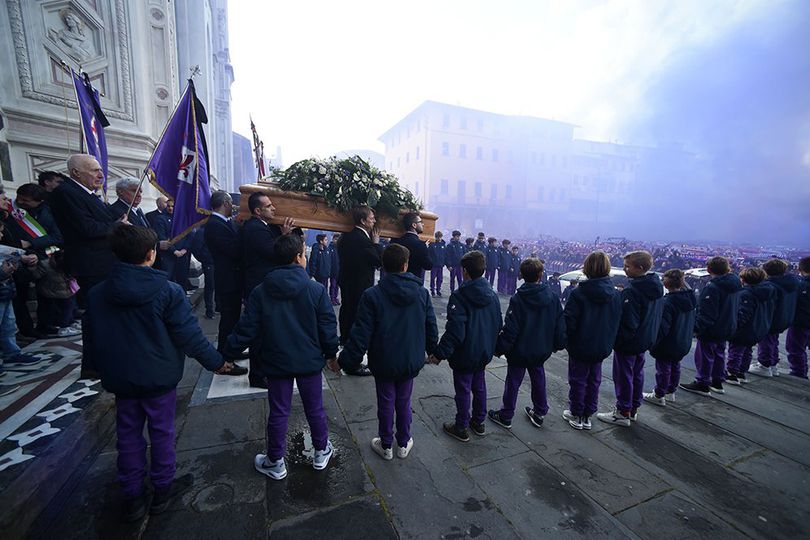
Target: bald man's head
{"type": "Point", "coordinates": [161, 202]}
{"type": "Point", "coordinates": [86, 170]}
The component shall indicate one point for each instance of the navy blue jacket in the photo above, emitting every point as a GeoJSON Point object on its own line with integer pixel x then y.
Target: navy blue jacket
{"type": "Point", "coordinates": [455, 251]}
{"type": "Point", "coordinates": [223, 241]}
{"type": "Point", "coordinates": [480, 245]}
{"type": "Point", "coordinates": [556, 288]}
{"type": "Point", "coordinates": [199, 248]}
{"type": "Point", "coordinates": [135, 215]}
{"type": "Point", "coordinates": [473, 323]}
{"type": "Point", "coordinates": [319, 264]}
{"type": "Point", "coordinates": [514, 266]}
{"type": "Point", "coordinates": [138, 306]}
{"type": "Point", "coordinates": [292, 318]}
{"type": "Point", "coordinates": [677, 326]}
{"type": "Point", "coordinates": [755, 315]}
{"type": "Point", "coordinates": [642, 306]}
{"type": "Point", "coordinates": [395, 323]}
{"type": "Point", "coordinates": [437, 251]}
{"type": "Point", "coordinates": [493, 257]}
{"type": "Point", "coordinates": [504, 259]}
{"type": "Point", "coordinates": [717, 309]}
{"type": "Point", "coordinates": [802, 318]}
{"type": "Point", "coordinates": [419, 259]}
{"type": "Point", "coordinates": [334, 260]}
{"type": "Point", "coordinates": [592, 315]}
{"type": "Point", "coordinates": [533, 328]}
{"type": "Point", "coordinates": [787, 291]}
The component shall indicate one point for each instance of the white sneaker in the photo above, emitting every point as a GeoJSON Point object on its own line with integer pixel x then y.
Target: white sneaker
{"type": "Point", "coordinates": [403, 451]}
{"type": "Point", "coordinates": [68, 331]}
{"type": "Point", "coordinates": [670, 397]}
{"type": "Point", "coordinates": [774, 371]}
{"type": "Point", "coordinates": [386, 453]}
{"type": "Point", "coordinates": [574, 421]}
{"type": "Point", "coordinates": [650, 397]}
{"type": "Point", "coordinates": [759, 369]}
{"type": "Point", "coordinates": [586, 422]}
{"type": "Point", "coordinates": [614, 417]}
{"type": "Point", "coordinates": [322, 457]}
{"type": "Point", "coordinates": [276, 470]}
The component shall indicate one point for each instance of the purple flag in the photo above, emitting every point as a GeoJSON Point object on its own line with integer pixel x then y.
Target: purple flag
{"type": "Point", "coordinates": [179, 165]}
{"type": "Point", "coordinates": [93, 121]}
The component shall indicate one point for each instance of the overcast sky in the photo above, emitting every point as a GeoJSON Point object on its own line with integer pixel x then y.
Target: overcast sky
{"type": "Point", "coordinates": [320, 77]}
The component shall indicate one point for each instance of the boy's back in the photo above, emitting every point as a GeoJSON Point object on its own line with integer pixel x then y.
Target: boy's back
{"type": "Point", "coordinates": [717, 309]}
{"type": "Point", "coordinates": [756, 308]}
{"type": "Point", "coordinates": [787, 289]}
{"type": "Point", "coordinates": [642, 306]}
{"type": "Point", "coordinates": [396, 324]}
{"type": "Point", "coordinates": [677, 326]}
{"type": "Point", "coordinates": [592, 316]}
{"type": "Point", "coordinates": [534, 326]}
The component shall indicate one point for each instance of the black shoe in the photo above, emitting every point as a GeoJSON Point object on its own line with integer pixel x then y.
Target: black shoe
{"type": "Point", "coordinates": [361, 371]}
{"type": "Point", "coordinates": [456, 432]}
{"type": "Point", "coordinates": [438, 294]}
{"type": "Point", "coordinates": [478, 429]}
{"type": "Point", "coordinates": [163, 498]}
{"type": "Point", "coordinates": [135, 509]}
{"type": "Point", "coordinates": [697, 388]}
{"type": "Point", "coordinates": [731, 378]}
{"type": "Point", "coordinates": [534, 418]}
{"type": "Point", "coordinates": [256, 382]}
{"type": "Point", "coordinates": [717, 387]}
{"type": "Point", "coordinates": [495, 416]}
{"type": "Point", "coordinates": [236, 371]}
{"type": "Point", "coordinates": [209, 315]}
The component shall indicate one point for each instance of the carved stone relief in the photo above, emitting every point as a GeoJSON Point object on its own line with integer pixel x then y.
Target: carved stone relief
{"type": "Point", "coordinates": [71, 36]}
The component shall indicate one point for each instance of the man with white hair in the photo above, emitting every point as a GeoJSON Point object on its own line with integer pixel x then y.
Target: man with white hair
{"type": "Point", "coordinates": [129, 193]}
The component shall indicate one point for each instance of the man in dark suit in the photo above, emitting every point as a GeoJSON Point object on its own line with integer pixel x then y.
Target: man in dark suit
{"type": "Point", "coordinates": [359, 253]}
{"type": "Point", "coordinates": [160, 203]}
{"type": "Point", "coordinates": [258, 238]}
{"type": "Point", "coordinates": [419, 260]}
{"type": "Point", "coordinates": [222, 238]}
{"type": "Point", "coordinates": [128, 190]}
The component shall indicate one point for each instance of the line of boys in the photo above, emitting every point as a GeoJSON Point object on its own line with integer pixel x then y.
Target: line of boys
{"type": "Point", "coordinates": [323, 264]}
{"type": "Point", "coordinates": [396, 325]}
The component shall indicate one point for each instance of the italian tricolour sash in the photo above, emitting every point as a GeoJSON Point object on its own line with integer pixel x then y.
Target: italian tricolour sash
{"type": "Point", "coordinates": [28, 223]}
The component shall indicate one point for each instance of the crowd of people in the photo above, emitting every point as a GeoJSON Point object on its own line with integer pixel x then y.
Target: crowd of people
{"type": "Point", "coordinates": [120, 269]}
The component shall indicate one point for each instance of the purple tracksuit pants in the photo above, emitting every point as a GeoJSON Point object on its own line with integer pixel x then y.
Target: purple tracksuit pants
{"type": "Point", "coordinates": [502, 281]}
{"type": "Point", "coordinates": [158, 414]}
{"type": "Point", "coordinates": [490, 274]}
{"type": "Point", "coordinates": [768, 350]}
{"type": "Point", "coordinates": [394, 397]}
{"type": "Point", "coordinates": [279, 397]}
{"type": "Point", "coordinates": [436, 279]}
{"type": "Point", "coordinates": [333, 290]}
{"type": "Point", "coordinates": [667, 377]}
{"type": "Point", "coordinates": [628, 380]}
{"type": "Point", "coordinates": [457, 275]}
{"type": "Point", "coordinates": [511, 284]}
{"type": "Point", "coordinates": [739, 358]}
{"type": "Point", "coordinates": [584, 379]}
{"type": "Point", "coordinates": [710, 361]}
{"type": "Point", "coordinates": [798, 339]}
{"type": "Point", "coordinates": [514, 378]}
{"type": "Point", "coordinates": [466, 384]}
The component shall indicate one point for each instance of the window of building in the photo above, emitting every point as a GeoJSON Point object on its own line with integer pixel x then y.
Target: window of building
{"type": "Point", "coordinates": [444, 189]}
{"type": "Point", "coordinates": [508, 191]}
{"type": "Point", "coordinates": [552, 195]}
{"type": "Point", "coordinates": [417, 152]}
{"type": "Point", "coordinates": [494, 154]}
{"type": "Point", "coordinates": [478, 189]}
{"type": "Point", "coordinates": [462, 151]}
{"type": "Point", "coordinates": [479, 153]}
{"type": "Point", "coordinates": [445, 149]}
{"type": "Point", "coordinates": [463, 122]}
{"type": "Point", "coordinates": [565, 162]}
{"type": "Point", "coordinates": [446, 121]}
{"type": "Point", "coordinates": [493, 192]}
{"type": "Point", "coordinates": [462, 190]}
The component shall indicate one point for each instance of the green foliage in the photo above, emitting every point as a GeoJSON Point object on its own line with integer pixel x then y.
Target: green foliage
{"type": "Point", "coordinates": [346, 183]}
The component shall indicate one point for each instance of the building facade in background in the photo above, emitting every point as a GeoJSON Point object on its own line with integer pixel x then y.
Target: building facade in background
{"type": "Point", "coordinates": [510, 175]}
{"type": "Point", "coordinates": [138, 54]}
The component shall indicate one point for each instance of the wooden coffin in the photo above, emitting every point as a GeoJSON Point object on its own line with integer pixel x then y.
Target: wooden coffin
{"type": "Point", "coordinates": [311, 212]}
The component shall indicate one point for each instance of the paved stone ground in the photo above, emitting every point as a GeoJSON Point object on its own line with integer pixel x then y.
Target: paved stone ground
{"type": "Point", "coordinates": [723, 467]}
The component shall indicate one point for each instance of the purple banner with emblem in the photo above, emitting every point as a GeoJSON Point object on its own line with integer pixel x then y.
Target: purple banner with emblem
{"type": "Point", "coordinates": [179, 165]}
{"type": "Point", "coordinates": [92, 119]}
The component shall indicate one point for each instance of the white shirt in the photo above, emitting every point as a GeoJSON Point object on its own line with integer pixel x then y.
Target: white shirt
{"type": "Point", "coordinates": [90, 191]}
{"type": "Point", "coordinates": [220, 216]}
{"type": "Point", "coordinates": [362, 229]}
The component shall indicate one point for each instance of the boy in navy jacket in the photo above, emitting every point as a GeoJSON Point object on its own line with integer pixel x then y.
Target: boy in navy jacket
{"type": "Point", "coordinates": [798, 335]}
{"type": "Point", "coordinates": [757, 303]}
{"type": "Point", "coordinates": [715, 324]}
{"type": "Point", "coordinates": [395, 323]}
{"type": "Point", "coordinates": [292, 320]}
{"type": "Point", "coordinates": [334, 270]}
{"type": "Point", "coordinates": [642, 306]}
{"type": "Point", "coordinates": [674, 337]}
{"type": "Point", "coordinates": [534, 328]}
{"type": "Point", "coordinates": [513, 272]}
{"type": "Point", "coordinates": [787, 291]}
{"type": "Point", "coordinates": [592, 315]}
{"type": "Point", "coordinates": [473, 323]}
{"type": "Point", "coordinates": [139, 306]}
{"type": "Point", "coordinates": [436, 250]}
{"type": "Point", "coordinates": [491, 253]}
{"type": "Point", "coordinates": [319, 265]}
{"type": "Point", "coordinates": [504, 260]}
{"type": "Point", "coordinates": [455, 251]}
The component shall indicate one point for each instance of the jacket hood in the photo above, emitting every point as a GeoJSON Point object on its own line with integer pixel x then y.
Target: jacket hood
{"type": "Point", "coordinates": [649, 285]}
{"type": "Point", "coordinates": [402, 289]}
{"type": "Point", "coordinates": [730, 283]}
{"type": "Point", "coordinates": [786, 282]}
{"type": "Point", "coordinates": [477, 292]}
{"type": "Point", "coordinates": [131, 285]}
{"type": "Point", "coordinates": [536, 294]}
{"type": "Point", "coordinates": [598, 290]}
{"type": "Point", "coordinates": [763, 292]}
{"type": "Point", "coordinates": [285, 281]}
{"type": "Point", "coordinates": [683, 300]}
